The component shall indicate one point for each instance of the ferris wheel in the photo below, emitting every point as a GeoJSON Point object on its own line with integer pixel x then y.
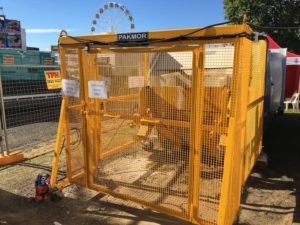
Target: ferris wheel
{"type": "Point", "coordinates": [112, 18]}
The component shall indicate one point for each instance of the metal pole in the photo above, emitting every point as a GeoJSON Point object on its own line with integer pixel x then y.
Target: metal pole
{"type": "Point", "coordinates": [3, 117]}
{"type": "Point", "coordinates": [1, 139]}
{"type": "Point", "coordinates": [1, 128]}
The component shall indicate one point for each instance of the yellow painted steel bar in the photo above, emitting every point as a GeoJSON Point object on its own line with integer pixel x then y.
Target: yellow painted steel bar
{"type": "Point", "coordinates": [232, 175]}
{"type": "Point", "coordinates": [121, 98]}
{"type": "Point", "coordinates": [96, 118]}
{"type": "Point", "coordinates": [165, 34]}
{"type": "Point", "coordinates": [243, 109]}
{"type": "Point", "coordinates": [112, 116]}
{"type": "Point", "coordinates": [87, 122]}
{"type": "Point", "coordinates": [146, 50]}
{"type": "Point", "coordinates": [79, 106]}
{"type": "Point", "coordinates": [77, 176]}
{"type": "Point", "coordinates": [65, 119]}
{"type": "Point", "coordinates": [146, 68]}
{"type": "Point", "coordinates": [159, 121]}
{"type": "Point", "coordinates": [225, 188]}
{"type": "Point", "coordinates": [117, 149]}
{"type": "Point", "coordinates": [264, 49]}
{"type": "Point", "coordinates": [175, 123]}
{"type": "Point", "coordinates": [118, 116]}
{"type": "Point", "coordinates": [58, 145]}
{"type": "Point", "coordinates": [255, 102]}
{"type": "Point", "coordinates": [258, 105]}
{"type": "Point", "coordinates": [62, 184]}
{"type": "Point", "coordinates": [196, 131]}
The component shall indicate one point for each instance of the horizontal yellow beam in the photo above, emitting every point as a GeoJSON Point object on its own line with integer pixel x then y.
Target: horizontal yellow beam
{"type": "Point", "coordinates": [255, 102]}
{"type": "Point", "coordinates": [175, 123]}
{"type": "Point", "coordinates": [63, 183]}
{"type": "Point", "coordinates": [121, 98]}
{"type": "Point", "coordinates": [78, 175]}
{"type": "Point", "coordinates": [178, 123]}
{"type": "Point", "coordinates": [163, 34]}
{"type": "Point", "coordinates": [117, 149]}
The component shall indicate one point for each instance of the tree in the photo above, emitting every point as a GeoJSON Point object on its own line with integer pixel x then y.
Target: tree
{"type": "Point", "coordinates": [269, 13]}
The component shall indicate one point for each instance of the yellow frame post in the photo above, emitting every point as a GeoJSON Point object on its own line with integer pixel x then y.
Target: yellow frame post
{"type": "Point", "coordinates": [146, 68]}
{"type": "Point", "coordinates": [93, 150]}
{"type": "Point", "coordinates": [236, 133]}
{"type": "Point", "coordinates": [195, 131]}
{"type": "Point", "coordinates": [58, 145]}
{"type": "Point", "coordinates": [65, 119]}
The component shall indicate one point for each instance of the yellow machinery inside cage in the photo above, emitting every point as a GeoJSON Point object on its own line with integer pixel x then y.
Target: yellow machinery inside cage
{"type": "Point", "coordinates": [168, 119]}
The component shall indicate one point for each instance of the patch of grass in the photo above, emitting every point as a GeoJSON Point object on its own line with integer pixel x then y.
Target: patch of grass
{"type": "Point", "coordinates": [296, 111]}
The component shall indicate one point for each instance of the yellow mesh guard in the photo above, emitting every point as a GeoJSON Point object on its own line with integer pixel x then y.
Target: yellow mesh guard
{"type": "Point", "coordinates": [178, 129]}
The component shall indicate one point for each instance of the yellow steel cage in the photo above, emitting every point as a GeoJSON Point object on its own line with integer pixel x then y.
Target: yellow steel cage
{"type": "Point", "coordinates": [168, 119]}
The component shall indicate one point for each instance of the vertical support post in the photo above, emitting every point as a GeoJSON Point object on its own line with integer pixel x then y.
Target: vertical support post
{"type": "Point", "coordinates": [235, 146]}
{"type": "Point", "coordinates": [3, 119]}
{"type": "Point", "coordinates": [196, 131]}
{"type": "Point", "coordinates": [66, 116]}
{"type": "Point", "coordinates": [2, 145]}
{"type": "Point", "coordinates": [146, 68]}
{"type": "Point", "coordinates": [58, 145]}
{"type": "Point", "coordinates": [93, 120]}
{"type": "Point", "coordinates": [86, 59]}
{"type": "Point", "coordinates": [82, 56]}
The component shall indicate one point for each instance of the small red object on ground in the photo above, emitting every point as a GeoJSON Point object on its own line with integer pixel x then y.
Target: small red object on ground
{"type": "Point", "coordinates": [42, 188]}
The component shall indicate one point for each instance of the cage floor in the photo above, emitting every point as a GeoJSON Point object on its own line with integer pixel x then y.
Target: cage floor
{"type": "Point", "coordinates": [159, 177]}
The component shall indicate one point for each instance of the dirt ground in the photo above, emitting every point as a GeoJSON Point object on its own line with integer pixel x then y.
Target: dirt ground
{"type": "Point", "coordinates": [271, 195]}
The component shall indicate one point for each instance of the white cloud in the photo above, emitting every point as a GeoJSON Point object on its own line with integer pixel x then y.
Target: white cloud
{"type": "Point", "coordinates": [45, 30]}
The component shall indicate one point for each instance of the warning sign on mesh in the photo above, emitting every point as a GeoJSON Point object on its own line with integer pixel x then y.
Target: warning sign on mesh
{"type": "Point", "coordinates": [8, 59]}
{"type": "Point", "coordinates": [98, 89]}
{"type": "Point", "coordinates": [53, 79]}
{"type": "Point", "coordinates": [135, 81]}
{"type": "Point", "coordinates": [70, 88]}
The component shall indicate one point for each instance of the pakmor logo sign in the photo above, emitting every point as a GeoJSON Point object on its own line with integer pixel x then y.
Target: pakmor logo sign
{"type": "Point", "coordinates": [133, 36]}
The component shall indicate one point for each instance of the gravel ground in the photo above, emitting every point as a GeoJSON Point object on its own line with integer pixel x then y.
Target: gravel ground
{"type": "Point", "coordinates": [28, 136]}
{"type": "Point", "coordinates": [271, 195]}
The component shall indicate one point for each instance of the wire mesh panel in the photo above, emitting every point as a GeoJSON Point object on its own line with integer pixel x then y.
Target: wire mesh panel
{"type": "Point", "coordinates": [74, 118]}
{"type": "Point", "coordinates": [145, 127]}
{"type": "Point", "coordinates": [254, 129]}
{"type": "Point", "coordinates": [31, 110]}
{"type": "Point", "coordinates": [235, 147]}
{"type": "Point", "coordinates": [217, 77]}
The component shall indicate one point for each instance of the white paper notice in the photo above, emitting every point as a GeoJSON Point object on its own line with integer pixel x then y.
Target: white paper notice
{"type": "Point", "coordinates": [136, 81]}
{"type": "Point", "coordinates": [70, 88]}
{"type": "Point", "coordinates": [98, 89]}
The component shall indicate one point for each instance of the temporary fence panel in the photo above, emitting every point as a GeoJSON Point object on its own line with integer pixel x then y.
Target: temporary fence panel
{"type": "Point", "coordinates": [30, 110]}
{"type": "Point", "coordinates": [175, 126]}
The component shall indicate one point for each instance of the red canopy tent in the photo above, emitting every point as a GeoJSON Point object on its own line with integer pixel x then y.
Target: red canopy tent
{"type": "Point", "coordinates": [292, 75]}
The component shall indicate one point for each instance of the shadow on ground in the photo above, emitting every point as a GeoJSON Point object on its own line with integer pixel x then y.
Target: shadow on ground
{"type": "Point", "coordinates": [16, 210]}
{"type": "Point", "coordinates": [272, 195]}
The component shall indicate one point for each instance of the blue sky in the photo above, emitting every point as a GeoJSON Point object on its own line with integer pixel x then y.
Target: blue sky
{"type": "Point", "coordinates": [44, 18]}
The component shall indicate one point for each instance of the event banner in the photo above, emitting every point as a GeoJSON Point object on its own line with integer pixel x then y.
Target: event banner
{"type": "Point", "coordinates": [10, 33]}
